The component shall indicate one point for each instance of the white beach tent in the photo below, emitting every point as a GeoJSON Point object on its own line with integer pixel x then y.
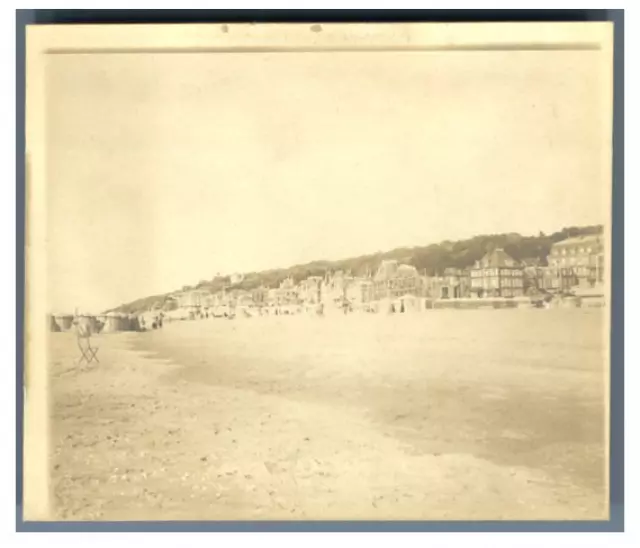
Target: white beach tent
{"type": "Point", "coordinates": [102, 321]}
{"type": "Point", "coordinates": [409, 303]}
{"type": "Point", "coordinates": [111, 323]}
{"type": "Point", "coordinates": [64, 321]}
{"type": "Point", "coordinates": [387, 305]}
{"type": "Point", "coordinates": [53, 325]}
{"type": "Point", "coordinates": [86, 324]}
{"type": "Point", "coordinates": [146, 319]}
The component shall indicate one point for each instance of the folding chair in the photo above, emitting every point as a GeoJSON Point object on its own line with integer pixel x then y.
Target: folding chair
{"type": "Point", "coordinates": [84, 332]}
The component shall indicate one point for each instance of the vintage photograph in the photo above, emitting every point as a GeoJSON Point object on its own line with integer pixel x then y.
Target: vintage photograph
{"type": "Point", "coordinates": [324, 272]}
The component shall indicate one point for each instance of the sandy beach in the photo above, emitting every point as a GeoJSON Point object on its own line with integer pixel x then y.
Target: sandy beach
{"type": "Point", "coordinates": [478, 415]}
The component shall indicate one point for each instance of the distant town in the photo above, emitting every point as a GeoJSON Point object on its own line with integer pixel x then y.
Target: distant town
{"type": "Point", "coordinates": [571, 273]}
{"type": "Point", "coordinates": [576, 268]}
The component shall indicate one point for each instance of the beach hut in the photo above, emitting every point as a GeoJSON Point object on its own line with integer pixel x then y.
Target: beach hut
{"type": "Point", "coordinates": [127, 322]}
{"type": "Point", "coordinates": [409, 303]}
{"type": "Point", "coordinates": [123, 322]}
{"type": "Point", "coordinates": [86, 323]}
{"type": "Point", "coordinates": [64, 321]}
{"type": "Point", "coordinates": [111, 323]}
{"type": "Point", "coordinates": [146, 319]}
{"type": "Point", "coordinates": [384, 305]}
{"type": "Point", "coordinates": [134, 321]}
{"type": "Point", "coordinates": [143, 324]}
{"type": "Point", "coordinates": [102, 321]}
{"type": "Point", "coordinates": [388, 305]}
{"type": "Point", "coordinates": [53, 325]}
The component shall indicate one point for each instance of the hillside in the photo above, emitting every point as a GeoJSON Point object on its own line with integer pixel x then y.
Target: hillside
{"type": "Point", "coordinates": [432, 259]}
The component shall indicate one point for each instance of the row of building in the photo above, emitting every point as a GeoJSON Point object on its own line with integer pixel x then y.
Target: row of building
{"type": "Point", "coordinates": [575, 262]}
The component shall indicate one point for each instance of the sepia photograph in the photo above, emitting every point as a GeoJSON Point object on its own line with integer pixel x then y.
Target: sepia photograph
{"type": "Point", "coordinates": [318, 272]}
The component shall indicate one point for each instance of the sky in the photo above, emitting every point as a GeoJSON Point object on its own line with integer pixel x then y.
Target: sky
{"type": "Point", "coordinates": [165, 169]}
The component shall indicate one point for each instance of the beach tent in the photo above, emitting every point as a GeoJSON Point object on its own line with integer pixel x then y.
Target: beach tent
{"type": "Point", "coordinates": [387, 305]}
{"type": "Point", "coordinates": [371, 307]}
{"type": "Point", "coordinates": [126, 322]}
{"type": "Point", "coordinates": [53, 325]}
{"type": "Point", "coordinates": [123, 322]}
{"type": "Point", "coordinates": [64, 321]}
{"type": "Point", "coordinates": [145, 320]}
{"type": "Point", "coordinates": [86, 323]}
{"type": "Point", "coordinates": [111, 323]}
{"type": "Point", "coordinates": [410, 303]}
{"type": "Point", "coordinates": [134, 323]}
{"type": "Point", "coordinates": [102, 322]}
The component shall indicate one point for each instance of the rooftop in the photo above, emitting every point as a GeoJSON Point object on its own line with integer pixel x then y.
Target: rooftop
{"type": "Point", "coordinates": [577, 240]}
{"type": "Point", "coordinates": [497, 258]}
{"type": "Point", "coordinates": [386, 270]}
{"type": "Point", "coordinates": [405, 270]}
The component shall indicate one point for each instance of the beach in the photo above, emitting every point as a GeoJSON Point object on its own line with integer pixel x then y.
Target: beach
{"type": "Point", "coordinates": [444, 414]}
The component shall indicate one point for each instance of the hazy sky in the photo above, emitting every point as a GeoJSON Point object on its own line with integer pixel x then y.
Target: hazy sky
{"type": "Point", "coordinates": [165, 169]}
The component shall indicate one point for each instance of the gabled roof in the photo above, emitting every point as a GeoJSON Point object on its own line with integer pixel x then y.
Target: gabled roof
{"type": "Point", "coordinates": [497, 258]}
{"type": "Point", "coordinates": [407, 271]}
{"type": "Point", "coordinates": [577, 240]}
{"type": "Point", "coordinates": [531, 261]}
{"type": "Point", "coordinates": [386, 270]}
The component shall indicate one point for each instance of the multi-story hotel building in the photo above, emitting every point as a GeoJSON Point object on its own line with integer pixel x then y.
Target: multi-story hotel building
{"type": "Point", "coordinates": [453, 284]}
{"type": "Point", "coordinates": [310, 290]}
{"type": "Point", "coordinates": [497, 274]}
{"type": "Point", "coordinates": [576, 261]}
{"type": "Point", "coordinates": [393, 280]}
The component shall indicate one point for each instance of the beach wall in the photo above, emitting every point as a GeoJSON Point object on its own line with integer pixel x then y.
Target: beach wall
{"type": "Point", "coordinates": [593, 302]}
{"type": "Point", "coordinates": [479, 304]}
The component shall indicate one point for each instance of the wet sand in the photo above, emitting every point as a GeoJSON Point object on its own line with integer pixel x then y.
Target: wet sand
{"type": "Point", "coordinates": [443, 415]}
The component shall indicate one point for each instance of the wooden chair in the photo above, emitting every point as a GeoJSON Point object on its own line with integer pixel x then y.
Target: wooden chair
{"type": "Point", "coordinates": [84, 330]}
